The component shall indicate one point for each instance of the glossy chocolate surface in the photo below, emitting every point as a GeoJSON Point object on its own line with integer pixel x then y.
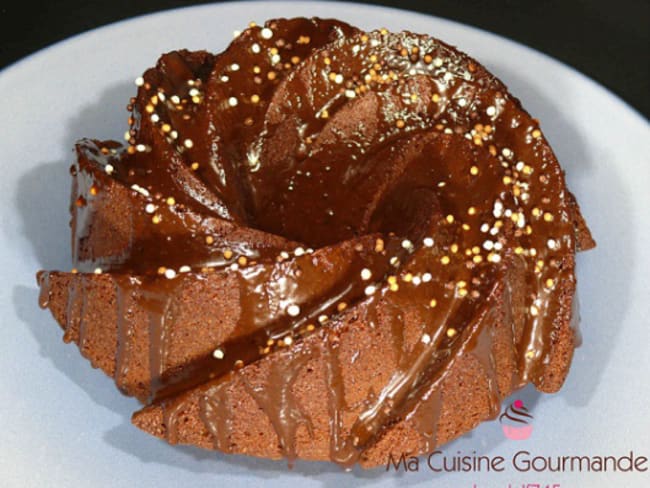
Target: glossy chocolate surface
{"type": "Point", "coordinates": [327, 169]}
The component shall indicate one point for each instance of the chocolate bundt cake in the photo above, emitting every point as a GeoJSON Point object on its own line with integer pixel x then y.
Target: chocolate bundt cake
{"type": "Point", "coordinates": [323, 244]}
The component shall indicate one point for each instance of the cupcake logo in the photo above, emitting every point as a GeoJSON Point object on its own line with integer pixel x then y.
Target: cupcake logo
{"type": "Point", "coordinates": [515, 421]}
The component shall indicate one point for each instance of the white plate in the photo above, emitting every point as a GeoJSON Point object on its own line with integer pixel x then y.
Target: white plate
{"type": "Point", "coordinates": [64, 424]}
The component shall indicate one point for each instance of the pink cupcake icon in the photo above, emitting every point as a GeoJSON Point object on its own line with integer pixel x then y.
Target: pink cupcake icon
{"type": "Point", "coordinates": [515, 422]}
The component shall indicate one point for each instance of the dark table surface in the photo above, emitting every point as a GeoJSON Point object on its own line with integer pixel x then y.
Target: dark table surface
{"type": "Point", "coordinates": [605, 39]}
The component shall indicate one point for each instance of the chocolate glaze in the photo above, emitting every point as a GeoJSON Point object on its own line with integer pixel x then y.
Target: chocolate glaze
{"type": "Point", "coordinates": [420, 182]}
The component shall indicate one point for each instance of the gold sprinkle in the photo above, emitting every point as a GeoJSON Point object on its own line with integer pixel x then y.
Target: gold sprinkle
{"type": "Point", "coordinates": [271, 75]}
{"type": "Point", "coordinates": [530, 354]}
{"type": "Point", "coordinates": [473, 170]}
{"type": "Point", "coordinates": [324, 114]}
{"type": "Point", "coordinates": [435, 98]}
{"type": "Point", "coordinates": [162, 270]}
{"type": "Point", "coordinates": [519, 250]}
{"type": "Point", "coordinates": [507, 180]}
{"type": "Point", "coordinates": [171, 201]}
{"type": "Point", "coordinates": [242, 260]}
{"type": "Point", "coordinates": [408, 277]}
{"type": "Point", "coordinates": [454, 248]}
{"type": "Point", "coordinates": [537, 133]}
{"type": "Point", "coordinates": [450, 218]}
{"type": "Point", "coordinates": [477, 259]}
{"type": "Point", "coordinates": [462, 292]}
{"type": "Point", "coordinates": [451, 332]}
{"type": "Point", "coordinates": [433, 303]}
{"type": "Point", "coordinates": [379, 245]}
{"type": "Point", "coordinates": [392, 280]}
{"type": "Point", "coordinates": [341, 306]}
{"type": "Point", "coordinates": [195, 166]}
{"type": "Point", "coordinates": [548, 217]}
{"type": "Point", "coordinates": [400, 124]}
{"type": "Point", "coordinates": [445, 260]}
{"type": "Point", "coordinates": [156, 219]}
{"type": "Point", "coordinates": [239, 364]}
{"type": "Point", "coordinates": [93, 190]}
{"type": "Point", "coordinates": [209, 240]}
{"type": "Point", "coordinates": [74, 271]}
{"type": "Point", "coordinates": [471, 210]}
{"type": "Point", "coordinates": [227, 254]}
{"type": "Point", "coordinates": [549, 283]}
{"type": "Point", "coordinates": [255, 98]}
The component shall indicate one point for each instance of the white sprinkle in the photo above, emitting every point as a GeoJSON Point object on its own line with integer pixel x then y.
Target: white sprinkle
{"type": "Point", "coordinates": [288, 340]}
{"type": "Point", "coordinates": [366, 274]}
{"type": "Point", "coordinates": [236, 33]}
{"type": "Point", "coordinates": [184, 269]}
{"type": "Point", "coordinates": [293, 310]}
{"type": "Point", "coordinates": [416, 280]}
{"type": "Point", "coordinates": [488, 245]}
{"type": "Point", "coordinates": [491, 111]}
{"type": "Point", "coordinates": [462, 102]}
{"type": "Point", "coordinates": [406, 244]}
{"type": "Point", "coordinates": [520, 165]}
{"type": "Point", "coordinates": [534, 310]}
{"type": "Point", "coordinates": [448, 76]}
{"type": "Point", "coordinates": [161, 96]}
{"type": "Point", "coordinates": [552, 244]}
{"type": "Point", "coordinates": [150, 208]}
{"type": "Point", "coordinates": [284, 255]}
{"type": "Point", "coordinates": [497, 211]}
{"type": "Point", "coordinates": [506, 152]}
{"type": "Point", "coordinates": [256, 48]}
{"type": "Point", "coordinates": [234, 267]}
{"type": "Point", "coordinates": [170, 274]}
{"type": "Point", "coordinates": [232, 101]}
{"type": "Point", "coordinates": [266, 33]}
{"type": "Point", "coordinates": [218, 354]}
{"type": "Point", "coordinates": [139, 81]}
{"type": "Point", "coordinates": [426, 338]}
{"type": "Point", "coordinates": [225, 78]}
{"type": "Point", "coordinates": [139, 189]}
{"type": "Point", "coordinates": [495, 258]}
{"type": "Point", "coordinates": [350, 93]}
{"type": "Point", "coordinates": [234, 67]}
{"type": "Point", "coordinates": [299, 251]}
{"type": "Point", "coordinates": [175, 99]}
{"type": "Point", "coordinates": [188, 143]}
{"type": "Point", "coordinates": [109, 169]}
{"type": "Point", "coordinates": [194, 92]}
{"type": "Point", "coordinates": [155, 118]}
{"type": "Point", "coordinates": [98, 271]}
{"type": "Point", "coordinates": [485, 228]}
{"type": "Point", "coordinates": [322, 319]}
{"type": "Point", "coordinates": [521, 220]}
{"type": "Point", "coordinates": [394, 261]}
{"type": "Point", "coordinates": [426, 277]}
{"type": "Point", "coordinates": [494, 231]}
{"type": "Point", "coordinates": [275, 58]}
{"type": "Point", "coordinates": [370, 289]}
{"type": "Point", "coordinates": [338, 79]}
{"type": "Point", "coordinates": [437, 62]}
{"type": "Point", "coordinates": [428, 242]}
{"type": "Point", "coordinates": [141, 148]}
{"type": "Point", "coordinates": [174, 134]}
{"type": "Point", "coordinates": [498, 246]}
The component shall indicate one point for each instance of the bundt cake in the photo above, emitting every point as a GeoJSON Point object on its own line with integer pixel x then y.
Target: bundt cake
{"type": "Point", "coordinates": [323, 244]}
